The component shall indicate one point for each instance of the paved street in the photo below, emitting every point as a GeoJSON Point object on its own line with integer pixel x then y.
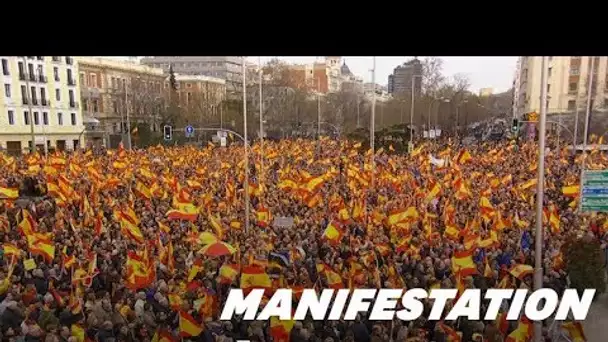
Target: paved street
{"type": "Point", "coordinates": [596, 324]}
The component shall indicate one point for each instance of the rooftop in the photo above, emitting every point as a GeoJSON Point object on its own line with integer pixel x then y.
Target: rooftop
{"type": "Point", "coordinates": [119, 65]}
{"type": "Point", "coordinates": [198, 78]}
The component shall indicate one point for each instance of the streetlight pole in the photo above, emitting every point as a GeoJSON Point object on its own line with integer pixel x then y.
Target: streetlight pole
{"type": "Point", "coordinates": [128, 117]}
{"type": "Point", "coordinates": [587, 114]}
{"type": "Point", "coordinates": [318, 114]}
{"type": "Point", "coordinates": [372, 135]}
{"type": "Point", "coordinates": [261, 123]}
{"type": "Point", "coordinates": [244, 71]}
{"type": "Point", "coordinates": [538, 253]}
{"type": "Point", "coordinates": [29, 105]}
{"type": "Point", "coordinates": [412, 110]}
{"type": "Point", "coordinates": [358, 111]}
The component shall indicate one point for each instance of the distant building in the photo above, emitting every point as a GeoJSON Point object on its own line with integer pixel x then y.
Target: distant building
{"type": "Point", "coordinates": [350, 82]}
{"type": "Point", "coordinates": [224, 67]}
{"type": "Point", "coordinates": [43, 90]}
{"type": "Point", "coordinates": [404, 76]}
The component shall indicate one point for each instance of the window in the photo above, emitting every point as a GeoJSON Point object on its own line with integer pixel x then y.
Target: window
{"type": "Point", "coordinates": [43, 95]}
{"type": "Point", "coordinates": [24, 94]}
{"type": "Point", "coordinates": [36, 119]}
{"type": "Point", "coordinates": [115, 107]}
{"type": "Point", "coordinates": [548, 88]}
{"type": "Point", "coordinates": [58, 94]}
{"type": "Point", "coordinates": [573, 86]}
{"type": "Point", "coordinates": [60, 119]}
{"type": "Point", "coordinates": [73, 116]}
{"type": "Point", "coordinates": [85, 105]}
{"type": "Point", "coordinates": [11, 117]}
{"type": "Point", "coordinates": [70, 79]}
{"type": "Point", "coordinates": [56, 73]}
{"type": "Point", "coordinates": [33, 95]}
{"type": "Point", "coordinates": [549, 72]}
{"type": "Point", "coordinates": [5, 67]}
{"type": "Point", "coordinates": [574, 70]}
{"type": "Point", "coordinates": [68, 60]}
{"type": "Point", "coordinates": [113, 82]}
{"type": "Point", "coordinates": [21, 71]}
{"type": "Point", "coordinates": [39, 58]}
{"type": "Point", "coordinates": [71, 97]}
{"type": "Point", "coordinates": [26, 118]}
{"type": "Point", "coordinates": [7, 90]}
{"type": "Point", "coordinates": [189, 98]}
{"type": "Point", "coordinates": [95, 107]}
{"type": "Point", "coordinates": [30, 70]}
{"type": "Point", "coordinates": [571, 104]}
{"type": "Point", "coordinates": [93, 80]}
{"type": "Point", "coordinates": [45, 118]}
{"type": "Point", "coordinates": [188, 85]}
{"type": "Point", "coordinates": [82, 82]}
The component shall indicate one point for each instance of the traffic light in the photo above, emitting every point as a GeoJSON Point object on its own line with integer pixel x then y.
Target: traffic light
{"type": "Point", "coordinates": [515, 126]}
{"type": "Point", "coordinates": [167, 132]}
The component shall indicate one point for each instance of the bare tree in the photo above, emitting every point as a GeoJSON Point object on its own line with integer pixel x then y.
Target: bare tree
{"type": "Point", "coordinates": [432, 77]}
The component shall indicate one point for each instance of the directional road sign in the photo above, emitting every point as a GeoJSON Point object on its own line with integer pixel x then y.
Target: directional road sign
{"type": "Point", "coordinates": [189, 131]}
{"type": "Point", "coordinates": [595, 191]}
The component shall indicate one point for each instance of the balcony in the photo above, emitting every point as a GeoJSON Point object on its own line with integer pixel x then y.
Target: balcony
{"type": "Point", "coordinates": [71, 82]}
{"type": "Point", "coordinates": [42, 78]}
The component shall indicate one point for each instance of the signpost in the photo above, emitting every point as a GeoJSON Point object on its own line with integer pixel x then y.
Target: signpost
{"type": "Point", "coordinates": [595, 191]}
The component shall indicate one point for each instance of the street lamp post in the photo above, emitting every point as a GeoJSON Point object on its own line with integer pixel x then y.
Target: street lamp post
{"type": "Point", "coordinates": [412, 108]}
{"type": "Point", "coordinates": [29, 105]}
{"type": "Point", "coordinates": [244, 70]}
{"type": "Point", "coordinates": [261, 123]}
{"type": "Point", "coordinates": [538, 253]}
{"type": "Point", "coordinates": [372, 135]}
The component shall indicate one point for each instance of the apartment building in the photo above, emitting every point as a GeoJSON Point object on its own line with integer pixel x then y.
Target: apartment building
{"type": "Point", "coordinates": [227, 68]}
{"type": "Point", "coordinates": [405, 76]}
{"type": "Point", "coordinates": [43, 91]}
{"type": "Point", "coordinates": [107, 86]}
{"type": "Point", "coordinates": [567, 86]}
{"type": "Point", "coordinates": [200, 96]}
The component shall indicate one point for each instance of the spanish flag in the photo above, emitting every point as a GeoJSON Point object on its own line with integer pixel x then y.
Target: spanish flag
{"type": "Point", "coordinates": [216, 225]}
{"type": "Point", "coordinates": [554, 220]}
{"type": "Point", "coordinates": [462, 262]}
{"type": "Point", "coordinates": [188, 326]}
{"type": "Point", "coordinates": [131, 230]}
{"type": "Point", "coordinates": [575, 330]}
{"type": "Point", "coordinates": [463, 157]}
{"type": "Point", "coordinates": [334, 280]}
{"type": "Point", "coordinates": [254, 277]}
{"type": "Point", "coordinates": [162, 335]}
{"type": "Point", "coordinates": [11, 250]}
{"type": "Point", "coordinates": [263, 216]}
{"type": "Point", "coordinates": [571, 190]}
{"type": "Point", "coordinates": [402, 215]}
{"type": "Point", "coordinates": [44, 248]}
{"type": "Point", "coordinates": [197, 266]}
{"type": "Point", "coordinates": [78, 332]}
{"type": "Point", "coordinates": [523, 333]}
{"type": "Point", "coordinates": [187, 213]}
{"type": "Point", "coordinates": [529, 184]}
{"type": "Point", "coordinates": [8, 193]}
{"type": "Point", "coordinates": [143, 191]}
{"type": "Point", "coordinates": [333, 233]}
{"type": "Point", "coordinates": [433, 192]}
{"type": "Point", "coordinates": [280, 330]}
{"type": "Point", "coordinates": [521, 270]}
{"type": "Point", "coordinates": [228, 272]}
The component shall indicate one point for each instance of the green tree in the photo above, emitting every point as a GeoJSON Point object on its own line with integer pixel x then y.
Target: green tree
{"type": "Point", "coordinates": [585, 264]}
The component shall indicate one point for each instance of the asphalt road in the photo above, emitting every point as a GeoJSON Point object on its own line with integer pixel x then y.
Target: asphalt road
{"type": "Point", "coordinates": [596, 324]}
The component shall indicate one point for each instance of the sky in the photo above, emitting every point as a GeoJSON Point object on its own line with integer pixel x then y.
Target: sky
{"type": "Point", "coordinates": [483, 72]}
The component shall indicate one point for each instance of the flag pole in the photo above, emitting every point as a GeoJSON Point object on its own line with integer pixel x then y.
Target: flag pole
{"type": "Point", "coordinates": [246, 145]}
{"type": "Point", "coordinates": [538, 253]}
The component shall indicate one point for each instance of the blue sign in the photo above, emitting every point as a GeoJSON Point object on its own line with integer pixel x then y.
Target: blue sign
{"type": "Point", "coordinates": [189, 131]}
{"type": "Point", "coordinates": [595, 191]}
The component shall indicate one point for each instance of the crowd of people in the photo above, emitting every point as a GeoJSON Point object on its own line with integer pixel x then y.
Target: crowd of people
{"type": "Point", "coordinates": [145, 245]}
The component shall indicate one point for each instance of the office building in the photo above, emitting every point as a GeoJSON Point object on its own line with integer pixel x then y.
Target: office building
{"type": "Point", "coordinates": [404, 76]}
{"type": "Point", "coordinates": [107, 85]}
{"type": "Point", "coordinates": [224, 67]}
{"type": "Point", "coordinates": [47, 88]}
{"type": "Point", "coordinates": [567, 85]}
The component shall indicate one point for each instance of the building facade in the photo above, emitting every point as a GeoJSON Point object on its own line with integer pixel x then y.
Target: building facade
{"type": "Point", "coordinates": [47, 87]}
{"type": "Point", "coordinates": [107, 86]}
{"type": "Point", "coordinates": [567, 85]}
{"type": "Point", "coordinates": [227, 68]}
{"type": "Point", "coordinates": [200, 97]}
{"type": "Point", "coordinates": [350, 82]}
{"type": "Point", "coordinates": [404, 76]}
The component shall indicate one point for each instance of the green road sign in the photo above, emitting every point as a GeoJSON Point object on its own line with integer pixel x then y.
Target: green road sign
{"type": "Point", "coordinates": [595, 191]}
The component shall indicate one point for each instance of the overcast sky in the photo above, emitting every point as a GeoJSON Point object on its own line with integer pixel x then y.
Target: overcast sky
{"type": "Point", "coordinates": [483, 72]}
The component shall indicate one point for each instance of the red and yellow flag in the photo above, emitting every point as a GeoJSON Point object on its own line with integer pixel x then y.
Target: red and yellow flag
{"type": "Point", "coordinates": [188, 326]}
{"type": "Point", "coordinates": [462, 262]}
